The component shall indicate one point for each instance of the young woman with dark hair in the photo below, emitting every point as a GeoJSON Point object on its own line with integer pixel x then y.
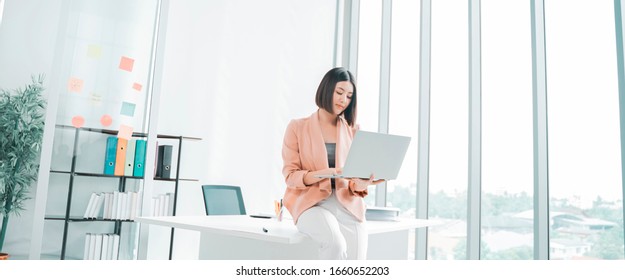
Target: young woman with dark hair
{"type": "Point", "coordinates": [330, 211]}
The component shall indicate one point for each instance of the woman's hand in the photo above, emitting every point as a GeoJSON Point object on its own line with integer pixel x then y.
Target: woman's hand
{"type": "Point", "coordinates": [311, 178]}
{"type": "Point", "coordinates": [363, 184]}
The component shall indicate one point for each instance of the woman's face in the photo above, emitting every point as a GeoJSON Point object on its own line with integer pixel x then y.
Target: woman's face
{"type": "Point", "coordinates": [342, 96]}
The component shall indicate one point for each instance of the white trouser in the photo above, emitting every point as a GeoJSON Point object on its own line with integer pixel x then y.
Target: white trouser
{"type": "Point", "coordinates": [338, 233]}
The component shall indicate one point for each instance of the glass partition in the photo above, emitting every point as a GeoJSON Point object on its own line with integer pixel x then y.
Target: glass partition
{"type": "Point", "coordinates": [507, 143]}
{"type": "Point", "coordinates": [585, 188]}
{"type": "Point", "coordinates": [103, 68]}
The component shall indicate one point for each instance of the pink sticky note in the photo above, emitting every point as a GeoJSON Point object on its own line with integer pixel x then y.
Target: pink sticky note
{"type": "Point", "coordinates": [126, 63]}
{"type": "Point", "coordinates": [106, 120]}
{"type": "Point", "coordinates": [78, 121]}
{"type": "Point", "coordinates": [75, 85]}
{"type": "Point", "coordinates": [137, 86]}
{"type": "Point", "coordinates": [125, 132]}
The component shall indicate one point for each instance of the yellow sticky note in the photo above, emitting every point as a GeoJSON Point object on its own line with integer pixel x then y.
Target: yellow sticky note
{"type": "Point", "coordinates": [75, 85]}
{"type": "Point", "coordinates": [126, 63]}
{"type": "Point", "coordinates": [94, 51]}
{"type": "Point", "coordinates": [125, 132]}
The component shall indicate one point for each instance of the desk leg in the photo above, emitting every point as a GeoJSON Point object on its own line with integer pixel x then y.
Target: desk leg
{"type": "Point", "coordinates": [388, 246]}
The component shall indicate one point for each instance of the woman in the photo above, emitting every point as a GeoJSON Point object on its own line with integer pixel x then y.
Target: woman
{"type": "Point", "coordinates": [330, 211]}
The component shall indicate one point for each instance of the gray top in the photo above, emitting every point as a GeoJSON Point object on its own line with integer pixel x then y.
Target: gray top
{"type": "Point", "coordinates": [331, 148]}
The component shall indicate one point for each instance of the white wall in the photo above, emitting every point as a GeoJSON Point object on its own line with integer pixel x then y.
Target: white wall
{"type": "Point", "coordinates": [27, 38]}
{"type": "Point", "coordinates": [235, 73]}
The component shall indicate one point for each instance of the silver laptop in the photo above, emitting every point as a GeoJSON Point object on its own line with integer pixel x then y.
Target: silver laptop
{"type": "Point", "coordinates": [374, 153]}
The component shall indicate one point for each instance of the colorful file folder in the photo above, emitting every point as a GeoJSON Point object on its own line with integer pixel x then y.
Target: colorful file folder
{"type": "Point", "coordinates": [120, 158]}
{"type": "Point", "coordinates": [130, 157]}
{"type": "Point", "coordinates": [109, 155]}
{"type": "Point", "coordinates": [140, 149]}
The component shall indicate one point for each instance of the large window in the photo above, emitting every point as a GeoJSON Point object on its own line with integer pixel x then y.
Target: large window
{"type": "Point", "coordinates": [584, 150]}
{"type": "Point", "coordinates": [507, 174]}
{"type": "Point", "coordinates": [368, 79]}
{"type": "Point", "coordinates": [448, 130]}
{"type": "Point", "coordinates": [404, 103]}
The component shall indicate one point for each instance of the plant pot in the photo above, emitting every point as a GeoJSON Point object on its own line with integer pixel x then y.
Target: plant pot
{"type": "Point", "coordinates": [4, 256]}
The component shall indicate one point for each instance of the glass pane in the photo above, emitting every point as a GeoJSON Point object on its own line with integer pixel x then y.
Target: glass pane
{"type": "Point", "coordinates": [368, 74]}
{"type": "Point", "coordinates": [448, 130]}
{"type": "Point", "coordinates": [103, 69]}
{"type": "Point", "coordinates": [585, 185]}
{"type": "Point", "coordinates": [404, 104]}
{"type": "Point", "coordinates": [507, 143]}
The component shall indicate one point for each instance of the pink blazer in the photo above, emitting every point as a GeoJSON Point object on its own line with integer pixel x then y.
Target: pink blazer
{"type": "Point", "coordinates": [304, 150]}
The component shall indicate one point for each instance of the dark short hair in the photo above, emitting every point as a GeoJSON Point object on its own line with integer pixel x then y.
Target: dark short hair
{"type": "Point", "coordinates": [325, 92]}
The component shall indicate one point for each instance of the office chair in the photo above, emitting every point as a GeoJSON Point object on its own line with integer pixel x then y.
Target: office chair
{"type": "Point", "coordinates": [223, 200]}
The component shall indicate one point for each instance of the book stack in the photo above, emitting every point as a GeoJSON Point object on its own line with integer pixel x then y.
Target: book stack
{"type": "Point", "coordinates": [163, 205]}
{"type": "Point", "coordinates": [382, 213]}
{"type": "Point", "coordinates": [113, 206]}
{"type": "Point", "coordinates": [124, 157]}
{"type": "Point", "coordinates": [101, 246]}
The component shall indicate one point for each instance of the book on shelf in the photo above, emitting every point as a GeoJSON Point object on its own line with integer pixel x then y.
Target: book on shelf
{"type": "Point", "coordinates": [90, 206]}
{"type": "Point", "coordinates": [120, 199]}
{"type": "Point", "coordinates": [98, 247]}
{"type": "Point", "coordinates": [105, 247]}
{"type": "Point", "coordinates": [109, 155]}
{"type": "Point", "coordinates": [115, 247]}
{"type": "Point", "coordinates": [109, 251]}
{"type": "Point", "coordinates": [123, 198]}
{"type": "Point", "coordinates": [170, 205]}
{"type": "Point", "coordinates": [97, 209]}
{"type": "Point", "coordinates": [106, 209]}
{"type": "Point", "coordinates": [87, 249]}
{"type": "Point", "coordinates": [133, 205]}
{"type": "Point", "coordinates": [114, 206]}
{"type": "Point", "coordinates": [92, 242]}
{"type": "Point", "coordinates": [101, 246]}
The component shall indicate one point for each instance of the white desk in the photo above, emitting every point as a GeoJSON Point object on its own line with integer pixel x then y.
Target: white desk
{"type": "Point", "coordinates": [243, 237]}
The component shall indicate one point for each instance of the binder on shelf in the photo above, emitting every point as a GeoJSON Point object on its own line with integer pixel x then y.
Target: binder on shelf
{"type": "Point", "coordinates": [109, 155]}
{"type": "Point", "coordinates": [92, 243]}
{"type": "Point", "coordinates": [120, 157]}
{"type": "Point", "coordinates": [109, 252]}
{"type": "Point", "coordinates": [163, 163]}
{"type": "Point", "coordinates": [97, 209]}
{"type": "Point", "coordinates": [133, 206]}
{"type": "Point", "coordinates": [170, 206]}
{"type": "Point", "coordinates": [87, 246]}
{"type": "Point", "coordinates": [130, 157]}
{"type": "Point", "coordinates": [90, 205]}
{"type": "Point", "coordinates": [114, 206]}
{"type": "Point", "coordinates": [98, 247]}
{"type": "Point", "coordinates": [106, 209]}
{"type": "Point", "coordinates": [115, 247]}
{"type": "Point", "coordinates": [120, 199]}
{"type": "Point", "coordinates": [139, 162]}
{"type": "Point", "coordinates": [105, 247]}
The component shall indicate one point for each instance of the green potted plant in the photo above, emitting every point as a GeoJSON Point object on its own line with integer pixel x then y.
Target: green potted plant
{"type": "Point", "coordinates": [21, 132]}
